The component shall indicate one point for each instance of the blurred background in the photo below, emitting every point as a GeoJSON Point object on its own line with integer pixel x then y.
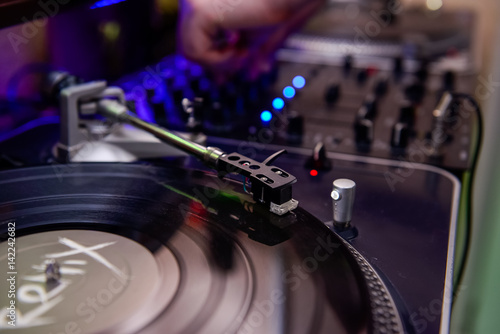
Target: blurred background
{"type": "Point", "coordinates": [120, 37]}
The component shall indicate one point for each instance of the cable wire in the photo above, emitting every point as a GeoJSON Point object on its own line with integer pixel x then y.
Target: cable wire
{"type": "Point", "coordinates": [460, 267]}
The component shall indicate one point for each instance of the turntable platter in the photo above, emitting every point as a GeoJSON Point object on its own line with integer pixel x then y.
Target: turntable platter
{"type": "Point", "coordinates": [113, 248]}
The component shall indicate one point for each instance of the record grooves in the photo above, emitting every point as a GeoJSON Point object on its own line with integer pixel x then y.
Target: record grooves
{"type": "Point", "coordinates": [169, 250]}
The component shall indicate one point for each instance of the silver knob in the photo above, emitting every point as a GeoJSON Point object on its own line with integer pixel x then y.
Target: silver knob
{"type": "Point", "coordinates": [343, 201]}
{"type": "Point", "coordinates": [438, 134]}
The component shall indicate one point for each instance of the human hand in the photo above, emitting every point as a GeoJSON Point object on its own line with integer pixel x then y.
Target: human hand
{"type": "Point", "coordinates": [229, 35]}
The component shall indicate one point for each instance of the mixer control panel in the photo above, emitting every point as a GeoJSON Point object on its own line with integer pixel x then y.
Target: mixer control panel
{"type": "Point", "coordinates": [348, 108]}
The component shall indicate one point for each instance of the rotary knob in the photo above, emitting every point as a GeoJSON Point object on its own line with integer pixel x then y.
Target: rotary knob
{"type": "Point", "coordinates": [332, 94]}
{"type": "Point", "coordinates": [449, 80]}
{"type": "Point", "coordinates": [400, 135]}
{"type": "Point", "coordinates": [363, 130]}
{"type": "Point", "coordinates": [318, 159]}
{"type": "Point", "coordinates": [369, 108]}
{"type": "Point", "coordinates": [348, 64]}
{"type": "Point", "coordinates": [407, 113]}
{"type": "Point", "coordinates": [381, 87]}
{"type": "Point", "coordinates": [362, 77]}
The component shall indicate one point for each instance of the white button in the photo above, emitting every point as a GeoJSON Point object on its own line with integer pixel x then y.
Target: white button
{"type": "Point", "coordinates": [335, 195]}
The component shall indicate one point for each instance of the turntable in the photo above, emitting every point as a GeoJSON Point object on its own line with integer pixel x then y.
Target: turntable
{"type": "Point", "coordinates": [111, 223]}
{"type": "Point", "coordinates": [167, 245]}
{"type": "Point", "coordinates": [135, 251]}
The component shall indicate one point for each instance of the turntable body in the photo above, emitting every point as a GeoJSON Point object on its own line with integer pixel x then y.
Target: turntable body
{"type": "Point", "coordinates": [196, 255]}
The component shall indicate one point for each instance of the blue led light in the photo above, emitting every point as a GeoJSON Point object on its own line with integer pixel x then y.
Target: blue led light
{"type": "Point", "coordinates": [104, 3]}
{"type": "Point", "coordinates": [289, 92]}
{"type": "Point", "coordinates": [266, 116]}
{"type": "Point", "coordinates": [278, 103]}
{"type": "Point", "coordinates": [299, 82]}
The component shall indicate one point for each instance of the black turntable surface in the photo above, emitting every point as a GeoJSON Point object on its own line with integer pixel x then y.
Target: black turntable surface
{"type": "Point", "coordinates": [117, 248]}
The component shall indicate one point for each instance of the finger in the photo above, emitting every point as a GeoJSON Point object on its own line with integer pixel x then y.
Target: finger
{"type": "Point", "coordinates": [264, 56]}
{"type": "Point", "coordinates": [200, 40]}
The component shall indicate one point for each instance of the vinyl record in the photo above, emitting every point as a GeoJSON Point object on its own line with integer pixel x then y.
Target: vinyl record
{"type": "Point", "coordinates": [116, 248]}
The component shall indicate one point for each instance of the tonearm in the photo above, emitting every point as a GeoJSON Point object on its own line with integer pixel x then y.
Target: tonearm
{"type": "Point", "coordinates": [270, 185]}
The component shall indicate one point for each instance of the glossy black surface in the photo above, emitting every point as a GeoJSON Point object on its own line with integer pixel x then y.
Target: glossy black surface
{"type": "Point", "coordinates": [323, 287]}
{"type": "Point", "coordinates": [404, 214]}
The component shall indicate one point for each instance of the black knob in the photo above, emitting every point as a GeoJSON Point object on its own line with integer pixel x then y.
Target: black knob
{"type": "Point", "coordinates": [381, 87]}
{"type": "Point", "coordinates": [177, 89]}
{"type": "Point", "coordinates": [449, 79]}
{"type": "Point", "coordinates": [362, 77]}
{"type": "Point", "coordinates": [415, 92]}
{"type": "Point", "coordinates": [423, 72]}
{"type": "Point", "coordinates": [194, 84]}
{"type": "Point", "coordinates": [407, 113]}
{"type": "Point", "coordinates": [364, 131]}
{"type": "Point", "coordinates": [158, 107]}
{"type": "Point", "coordinates": [178, 95]}
{"type": "Point", "coordinates": [400, 135]}
{"type": "Point", "coordinates": [398, 68]}
{"type": "Point", "coordinates": [369, 108]}
{"type": "Point", "coordinates": [332, 94]}
{"type": "Point", "coordinates": [348, 64]}
{"type": "Point", "coordinates": [318, 159]}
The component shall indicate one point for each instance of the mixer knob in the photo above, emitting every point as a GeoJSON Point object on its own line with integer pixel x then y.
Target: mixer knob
{"type": "Point", "coordinates": [415, 92]}
{"type": "Point", "coordinates": [423, 71]}
{"type": "Point", "coordinates": [398, 68]}
{"type": "Point", "coordinates": [332, 94]}
{"type": "Point", "coordinates": [449, 78]}
{"type": "Point", "coordinates": [381, 87]}
{"type": "Point", "coordinates": [407, 113]}
{"type": "Point", "coordinates": [438, 133]}
{"type": "Point", "coordinates": [178, 95]}
{"type": "Point", "coordinates": [369, 108]}
{"type": "Point", "coordinates": [343, 193]}
{"type": "Point", "coordinates": [362, 77]}
{"type": "Point", "coordinates": [194, 84]}
{"type": "Point", "coordinates": [364, 131]}
{"type": "Point", "coordinates": [319, 160]}
{"type": "Point", "coordinates": [158, 107]}
{"type": "Point", "coordinates": [400, 135]}
{"type": "Point", "coordinates": [348, 64]}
